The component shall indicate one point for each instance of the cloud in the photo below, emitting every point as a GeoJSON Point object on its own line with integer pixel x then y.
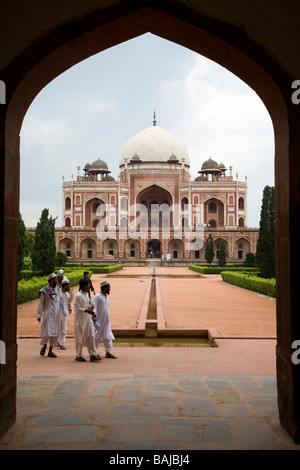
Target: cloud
{"type": "Point", "coordinates": [219, 116]}
{"type": "Point", "coordinates": [94, 108]}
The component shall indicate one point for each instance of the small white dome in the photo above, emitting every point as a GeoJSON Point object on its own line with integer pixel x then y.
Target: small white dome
{"type": "Point", "coordinates": [154, 144]}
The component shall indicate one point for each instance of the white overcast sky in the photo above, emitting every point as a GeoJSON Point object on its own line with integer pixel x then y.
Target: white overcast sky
{"type": "Point", "coordinates": [93, 109]}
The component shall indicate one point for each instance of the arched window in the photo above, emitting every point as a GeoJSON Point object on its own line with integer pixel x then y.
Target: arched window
{"type": "Point", "coordinates": [124, 223]}
{"type": "Point", "coordinates": [95, 206]}
{"type": "Point", "coordinates": [212, 207]}
{"type": "Point", "coordinates": [184, 203]}
{"type": "Point", "coordinates": [184, 222]}
{"type": "Point", "coordinates": [67, 203]}
{"type": "Point", "coordinates": [241, 222]}
{"type": "Point", "coordinates": [124, 203]}
{"type": "Point", "coordinates": [67, 222]}
{"type": "Point", "coordinates": [241, 203]}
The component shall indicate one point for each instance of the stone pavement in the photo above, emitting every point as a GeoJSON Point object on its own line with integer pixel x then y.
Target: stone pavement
{"type": "Point", "coordinates": [147, 412]}
{"type": "Point", "coordinates": [158, 398]}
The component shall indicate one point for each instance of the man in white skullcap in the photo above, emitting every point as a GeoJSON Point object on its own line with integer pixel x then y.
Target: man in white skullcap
{"type": "Point", "coordinates": [49, 305]}
{"type": "Point", "coordinates": [83, 324]}
{"type": "Point", "coordinates": [68, 297]}
{"type": "Point", "coordinates": [60, 276]}
{"type": "Point", "coordinates": [103, 333]}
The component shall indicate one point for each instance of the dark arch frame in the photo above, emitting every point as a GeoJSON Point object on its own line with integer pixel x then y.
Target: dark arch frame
{"type": "Point", "coordinates": [65, 46]}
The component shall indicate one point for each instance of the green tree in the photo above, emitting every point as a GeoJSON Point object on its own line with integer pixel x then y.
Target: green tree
{"type": "Point", "coordinates": [44, 250]}
{"type": "Point", "coordinates": [209, 250]}
{"type": "Point", "coordinates": [265, 248]}
{"type": "Point", "coordinates": [222, 254]}
{"type": "Point", "coordinates": [29, 242]}
{"type": "Point", "coordinates": [61, 259]}
{"type": "Point", "coordinates": [21, 242]}
{"type": "Point", "coordinates": [249, 261]}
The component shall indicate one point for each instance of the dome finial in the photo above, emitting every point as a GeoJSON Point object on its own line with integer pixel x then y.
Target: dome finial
{"type": "Point", "coordinates": [154, 118]}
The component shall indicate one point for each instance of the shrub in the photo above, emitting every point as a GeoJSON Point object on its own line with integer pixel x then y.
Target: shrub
{"type": "Point", "coordinates": [97, 268]}
{"type": "Point", "coordinates": [61, 259]}
{"type": "Point", "coordinates": [29, 289]}
{"type": "Point", "coordinates": [219, 270]}
{"type": "Point", "coordinates": [251, 282]}
{"type": "Point", "coordinates": [31, 282]}
{"type": "Point", "coordinates": [250, 260]}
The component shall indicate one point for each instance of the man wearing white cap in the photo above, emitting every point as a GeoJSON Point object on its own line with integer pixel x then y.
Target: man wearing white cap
{"type": "Point", "coordinates": [49, 304]}
{"type": "Point", "coordinates": [68, 296]}
{"type": "Point", "coordinates": [83, 324]}
{"type": "Point", "coordinates": [60, 276]}
{"type": "Point", "coordinates": [104, 333]}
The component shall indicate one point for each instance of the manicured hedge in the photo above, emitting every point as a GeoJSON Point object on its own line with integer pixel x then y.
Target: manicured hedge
{"type": "Point", "coordinates": [27, 274]}
{"type": "Point", "coordinates": [98, 269]}
{"type": "Point", "coordinates": [218, 270]}
{"type": "Point", "coordinates": [251, 282]}
{"type": "Point", "coordinates": [30, 284]}
{"type": "Point", "coordinates": [29, 289]}
{"type": "Point", "coordinates": [110, 268]}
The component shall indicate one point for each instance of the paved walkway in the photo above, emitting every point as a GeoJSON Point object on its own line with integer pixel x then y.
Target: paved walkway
{"type": "Point", "coordinates": [157, 398]}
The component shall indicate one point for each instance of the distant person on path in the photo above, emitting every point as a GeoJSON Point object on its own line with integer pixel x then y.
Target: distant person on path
{"type": "Point", "coordinates": [91, 287]}
{"type": "Point", "coordinates": [103, 332]}
{"type": "Point", "coordinates": [83, 323]}
{"type": "Point", "coordinates": [50, 303]}
{"type": "Point", "coordinates": [68, 297]}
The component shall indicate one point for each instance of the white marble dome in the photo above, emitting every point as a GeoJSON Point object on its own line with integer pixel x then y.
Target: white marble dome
{"type": "Point", "coordinates": [154, 144]}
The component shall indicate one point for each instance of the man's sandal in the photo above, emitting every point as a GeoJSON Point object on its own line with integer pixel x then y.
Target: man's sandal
{"type": "Point", "coordinates": [43, 350]}
{"type": "Point", "coordinates": [51, 354]}
{"type": "Point", "coordinates": [95, 358]}
{"type": "Point", "coordinates": [80, 359]}
{"type": "Point", "coordinates": [108, 355]}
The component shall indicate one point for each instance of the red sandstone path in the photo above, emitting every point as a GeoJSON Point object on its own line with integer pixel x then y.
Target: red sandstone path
{"type": "Point", "coordinates": [245, 321]}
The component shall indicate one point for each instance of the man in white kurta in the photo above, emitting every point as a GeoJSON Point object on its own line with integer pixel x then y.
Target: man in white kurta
{"type": "Point", "coordinates": [68, 297]}
{"type": "Point", "coordinates": [83, 324]}
{"type": "Point", "coordinates": [103, 329]}
{"type": "Point", "coordinates": [49, 304]}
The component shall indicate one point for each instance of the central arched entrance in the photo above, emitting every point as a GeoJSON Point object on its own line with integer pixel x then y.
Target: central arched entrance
{"type": "Point", "coordinates": [154, 249]}
{"type": "Point", "coordinates": [156, 207]}
{"type": "Point", "coordinates": [66, 43]}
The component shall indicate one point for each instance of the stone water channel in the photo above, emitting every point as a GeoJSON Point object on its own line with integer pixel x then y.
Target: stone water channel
{"type": "Point", "coordinates": [151, 330]}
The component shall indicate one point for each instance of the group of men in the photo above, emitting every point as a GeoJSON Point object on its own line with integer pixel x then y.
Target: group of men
{"type": "Point", "coordinates": [91, 319]}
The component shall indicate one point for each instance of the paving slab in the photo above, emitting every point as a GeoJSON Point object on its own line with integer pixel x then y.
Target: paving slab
{"type": "Point", "coordinates": [196, 420]}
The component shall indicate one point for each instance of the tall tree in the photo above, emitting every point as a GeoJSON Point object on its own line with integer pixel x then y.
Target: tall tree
{"type": "Point", "coordinates": [209, 250]}
{"type": "Point", "coordinates": [222, 254]}
{"type": "Point", "coordinates": [265, 248]}
{"type": "Point", "coordinates": [29, 242]}
{"type": "Point", "coordinates": [44, 249]}
{"type": "Point", "coordinates": [21, 242]}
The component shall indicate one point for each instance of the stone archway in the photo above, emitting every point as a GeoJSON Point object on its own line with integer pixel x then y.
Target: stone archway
{"type": "Point", "coordinates": [67, 246]}
{"type": "Point", "coordinates": [154, 249]}
{"type": "Point", "coordinates": [223, 35]}
{"type": "Point", "coordinates": [88, 248]}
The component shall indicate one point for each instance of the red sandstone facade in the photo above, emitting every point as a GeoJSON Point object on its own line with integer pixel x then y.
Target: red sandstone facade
{"type": "Point", "coordinates": [154, 209]}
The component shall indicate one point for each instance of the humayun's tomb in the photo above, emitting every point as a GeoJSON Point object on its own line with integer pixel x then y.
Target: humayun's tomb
{"type": "Point", "coordinates": [154, 209]}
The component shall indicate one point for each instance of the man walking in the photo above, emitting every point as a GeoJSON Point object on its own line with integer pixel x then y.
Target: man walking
{"type": "Point", "coordinates": [83, 323]}
{"type": "Point", "coordinates": [49, 305]}
{"type": "Point", "coordinates": [103, 332]}
{"type": "Point", "coordinates": [86, 275]}
{"type": "Point", "coordinates": [68, 296]}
